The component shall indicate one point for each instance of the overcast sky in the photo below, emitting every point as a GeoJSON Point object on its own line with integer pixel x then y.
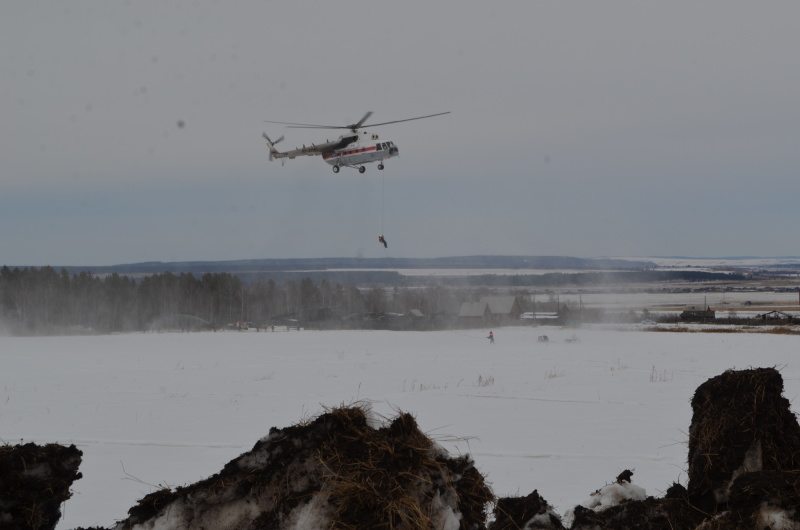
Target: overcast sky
{"type": "Point", "coordinates": [577, 128]}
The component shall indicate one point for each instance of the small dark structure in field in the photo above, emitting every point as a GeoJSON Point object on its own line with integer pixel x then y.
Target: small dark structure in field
{"type": "Point", "coordinates": [778, 316]}
{"type": "Point", "coordinates": [694, 313]}
{"type": "Point", "coordinates": [34, 481]}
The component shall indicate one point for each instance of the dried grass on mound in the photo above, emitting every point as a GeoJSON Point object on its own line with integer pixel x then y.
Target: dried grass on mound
{"type": "Point", "coordinates": [651, 514]}
{"type": "Point", "coordinates": [34, 482]}
{"type": "Point", "coordinates": [393, 477]}
{"type": "Point", "coordinates": [334, 472]}
{"type": "Point", "coordinates": [768, 500]}
{"type": "Point", "coordinates": [782, 488]}
{"type": "Point", "coordinates": [741, 423]}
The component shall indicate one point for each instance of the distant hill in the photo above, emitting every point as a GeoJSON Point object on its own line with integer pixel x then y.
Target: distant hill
{"type": "Point", "coordinates": [327, 264]}
{"type": "Point", "coordinates": [458, 271]}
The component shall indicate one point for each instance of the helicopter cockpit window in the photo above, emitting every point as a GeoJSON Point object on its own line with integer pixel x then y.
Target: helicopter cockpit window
{"type": "Point", "coordinates": [378, 147]}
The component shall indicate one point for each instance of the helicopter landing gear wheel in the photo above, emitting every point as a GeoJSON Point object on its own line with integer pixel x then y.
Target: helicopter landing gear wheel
{"type": "Point", "coordinates": [362, 169]}
{"type": "Point", "coordinates": [380, 167]}
{"type": "Point", "coordinates": [335, 169]}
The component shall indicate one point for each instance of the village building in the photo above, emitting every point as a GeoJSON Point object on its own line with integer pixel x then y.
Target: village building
{"type": "Point", "coordinates": [490, 310]}
{"type": "Point", "coordinates": [476, 313]}
{"type": "Point", "coordinates": [778, 316]}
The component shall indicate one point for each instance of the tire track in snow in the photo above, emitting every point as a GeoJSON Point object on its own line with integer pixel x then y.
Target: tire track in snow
{"type": "Point", "coordinates": [555, 456]}
{"type": "Point", "coordinates": [134, 443]}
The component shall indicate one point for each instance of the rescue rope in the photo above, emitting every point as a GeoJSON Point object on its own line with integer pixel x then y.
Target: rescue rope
{"type": "Point", "coordinates": [468, 335]}
{"type": "Point", "coordinates": [383, 198]}
{"type": "Point", "coordinates": [383, 210]}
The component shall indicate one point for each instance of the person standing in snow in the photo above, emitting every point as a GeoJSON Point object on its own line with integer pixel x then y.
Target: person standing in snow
{"type": "Point", "coordinates": [491, 338]}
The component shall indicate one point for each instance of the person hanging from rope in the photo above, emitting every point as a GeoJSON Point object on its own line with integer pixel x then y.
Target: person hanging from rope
{"type": "Point", "coordinates": [382, 239]}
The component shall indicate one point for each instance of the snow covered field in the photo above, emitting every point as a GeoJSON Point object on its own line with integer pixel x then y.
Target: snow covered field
{"type": "Point", "coordinates": [722, 302]}
{"type": "Point", "coordinates": [563, 417]}
{"type": "Point", "coordinates": [716, 263]}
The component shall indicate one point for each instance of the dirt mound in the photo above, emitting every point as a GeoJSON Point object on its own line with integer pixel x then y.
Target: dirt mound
{"type": "Point", "coordinates": [336, 471]}
{"type": "Point", "coordinates": [623, 505]}
{"type": "Point", "coordinates": [674, 511]}
{"type": "Point", "coordinates": [744, 464]}
{"type": "Point", "coordinates": [34, 482]}
{"type": "Point", "coordinates": [343, 470]}
{"type": "Point", "coordinates": [531, 512]}
{"type": "Point", "coordinates": [741, 423]}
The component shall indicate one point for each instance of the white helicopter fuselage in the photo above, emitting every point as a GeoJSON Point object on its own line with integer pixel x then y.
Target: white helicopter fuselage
{"type": "Point", "coordinates": [349, 150]}
{"type": "Point", "coordinates": [367, 148]}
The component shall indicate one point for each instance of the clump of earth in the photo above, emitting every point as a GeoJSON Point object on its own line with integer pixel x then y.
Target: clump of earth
{"type": "Point", "coordinates": [347, 470]}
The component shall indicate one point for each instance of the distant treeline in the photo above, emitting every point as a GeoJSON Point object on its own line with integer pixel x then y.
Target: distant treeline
{"type": "Point", "coordinates": [561, 279]}
{"type": "Point", "coordinates": [44, 300]}
{"type": "Point", "coordinates": [542, 281]}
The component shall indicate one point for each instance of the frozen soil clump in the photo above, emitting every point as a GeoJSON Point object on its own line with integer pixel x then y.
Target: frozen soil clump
{"type": "Point", "coordinates": [744, 452]}
{"type": "Point", "coordinates": [343, 470]}
{"type": "Point", "coordinates": [34, 481]}
{"type": "Point", "coordinates": [530, 512]}
{"type": "Point", "coordinates": [744, 465]}
{"type": "Point", "coordinates": [336, 471]}
{"type": "Point", "coordinates": [741, 423]}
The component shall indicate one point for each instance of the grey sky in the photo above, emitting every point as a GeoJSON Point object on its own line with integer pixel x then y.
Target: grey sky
{"type": "Point", "coordinates": [584, 129]}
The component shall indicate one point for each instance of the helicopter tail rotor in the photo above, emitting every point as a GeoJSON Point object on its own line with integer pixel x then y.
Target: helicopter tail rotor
{"type": "Point", "coordinates": [271, 145]}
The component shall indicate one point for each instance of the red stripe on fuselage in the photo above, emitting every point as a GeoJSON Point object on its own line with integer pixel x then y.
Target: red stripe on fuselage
{"type": "Point", "coordinates": [337, 154]}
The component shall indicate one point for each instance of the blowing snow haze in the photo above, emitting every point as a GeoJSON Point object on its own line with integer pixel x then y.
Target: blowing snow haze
{"type": "Point", "coordinates": [131, 131]}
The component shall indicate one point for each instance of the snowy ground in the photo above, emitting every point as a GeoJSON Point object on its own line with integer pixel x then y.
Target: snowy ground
{"type": "Point", "coordinates": [564, 417]}
{"type": "Point", "coordinates": [719, 301]}
{"type": "Point", "coordinates": [716, 263]}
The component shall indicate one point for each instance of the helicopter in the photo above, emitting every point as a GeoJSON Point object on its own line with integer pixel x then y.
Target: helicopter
{"type": "Point", "coordinates": [352, 149]}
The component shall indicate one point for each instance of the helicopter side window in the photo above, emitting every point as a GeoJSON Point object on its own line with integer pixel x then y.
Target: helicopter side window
{"type": "Point", "coordinates": [378, 147]}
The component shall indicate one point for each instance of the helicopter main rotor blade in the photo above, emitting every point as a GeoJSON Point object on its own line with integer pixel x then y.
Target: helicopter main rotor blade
{"type": "Point", "coordinates": [293, 125]}
{"type": "Point", "coordinates": [361, 121]}
{"type": "Point", "coordinates": [409, 119]}
{"type": "Point", "coordinates": [353, 127]}
{"type": "Point", "coordinates": [309, 125]}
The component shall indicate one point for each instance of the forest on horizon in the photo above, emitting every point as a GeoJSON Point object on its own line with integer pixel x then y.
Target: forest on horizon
{"type": "Point", "coordinates": [47, 301]}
